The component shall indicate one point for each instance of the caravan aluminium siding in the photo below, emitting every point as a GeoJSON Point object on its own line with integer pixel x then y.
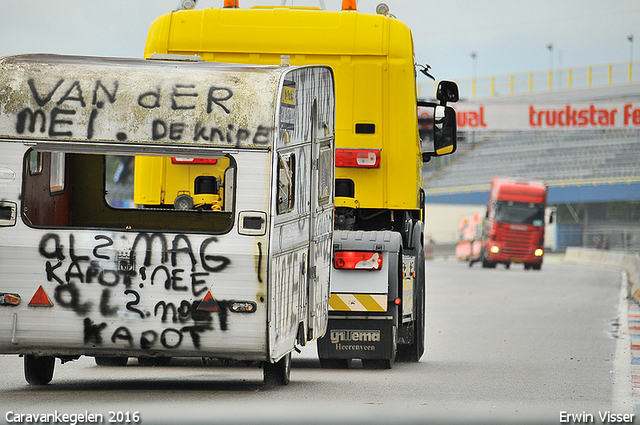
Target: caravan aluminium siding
{"type": "Point", "coordinates": [164, 103]}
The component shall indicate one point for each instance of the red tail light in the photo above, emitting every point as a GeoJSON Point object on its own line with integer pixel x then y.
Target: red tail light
{"type": "Point", "coordinates": [357, 260]}
{"type": "Point", "coordinates": [193, 161]}
{"type": "Point", "coordinates": [363, 158]}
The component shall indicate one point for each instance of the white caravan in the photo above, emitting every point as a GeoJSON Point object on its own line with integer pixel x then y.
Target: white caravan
{"type": "Point", "coordinates": [233, 265]}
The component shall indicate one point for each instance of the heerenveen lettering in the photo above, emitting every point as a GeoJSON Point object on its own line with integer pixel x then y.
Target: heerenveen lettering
{"type": "Point", "coordinates": [338, 336]}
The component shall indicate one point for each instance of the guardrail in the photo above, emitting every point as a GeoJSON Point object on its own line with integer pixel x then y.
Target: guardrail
{"type": "Point", "coordinates": [628, 262]}
{"type": "Point", "coordinates": [541, 81]}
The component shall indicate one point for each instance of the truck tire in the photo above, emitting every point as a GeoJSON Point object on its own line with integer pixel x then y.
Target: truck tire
{"type": "Point", "coordinates": [279, 373]}
{"type": "Point", "coordinates": [38, 370]}
{"type": "Point", "coordinates": [414, 351]}
{"type": "Point", "coordinates": [111, 360]}
{"type": "Point", "coordinates": [183, 202]}
{"type": "Point", "coordinates": [486, 263]}
{"type": "Point", "coordinates": [417, 348]}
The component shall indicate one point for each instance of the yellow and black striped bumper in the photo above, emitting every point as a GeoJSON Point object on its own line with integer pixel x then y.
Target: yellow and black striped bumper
{"type": "Point", "coordinates": [358, 302]}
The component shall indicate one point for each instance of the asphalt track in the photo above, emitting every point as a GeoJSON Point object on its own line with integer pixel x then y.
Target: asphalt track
{"type": "Point", "coordinates": [503, 346]}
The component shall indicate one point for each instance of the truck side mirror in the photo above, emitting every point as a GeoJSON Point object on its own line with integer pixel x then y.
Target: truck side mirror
{"type": "Point", "coordinates": [447, 92]}
{"type": "Point", "coordinates": [440, 139]}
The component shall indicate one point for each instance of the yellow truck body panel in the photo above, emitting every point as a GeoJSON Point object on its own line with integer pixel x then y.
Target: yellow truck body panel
{"type": "Point", "coordinates": [373, 62]}
{"type": "Point", "coordinates": [176, 179]}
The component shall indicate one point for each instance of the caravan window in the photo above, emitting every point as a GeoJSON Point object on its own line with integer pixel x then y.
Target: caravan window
{"type": "Point", "coordinates": [325, 172]}
{"type": "Point", "coordinates": [129, 193]}
{"type": "Point", "coordinates": [35, 163]}
{"type": "Point", "coordinates": [286, 182]}
{"type": "Point", "coordinates": [57, 175]}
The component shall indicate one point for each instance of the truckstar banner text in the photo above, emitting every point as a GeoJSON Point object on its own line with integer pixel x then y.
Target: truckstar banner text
{"type": "Point", "coordinates": [573, 116]}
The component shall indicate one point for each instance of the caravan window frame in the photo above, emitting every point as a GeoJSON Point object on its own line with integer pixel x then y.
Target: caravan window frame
{"type": "Point", "coordinates": [325, 172]}
{"type": "Point", "coordinates": [82, 203]}
{"type": "Point", "coordinates": [286, 182]}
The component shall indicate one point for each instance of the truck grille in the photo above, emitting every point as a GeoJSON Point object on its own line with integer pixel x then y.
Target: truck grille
{"type": "Point", "coordinates": [518, 242]}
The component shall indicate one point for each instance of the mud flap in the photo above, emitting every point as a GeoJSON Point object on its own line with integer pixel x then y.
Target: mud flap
{"type": "Point", "coordinates": [357, 339]}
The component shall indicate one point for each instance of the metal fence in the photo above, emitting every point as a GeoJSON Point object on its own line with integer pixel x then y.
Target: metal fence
{"type": "Point", "coordinates": [598, 238]}
{"type": "Point", "coordinates": [541, 81]}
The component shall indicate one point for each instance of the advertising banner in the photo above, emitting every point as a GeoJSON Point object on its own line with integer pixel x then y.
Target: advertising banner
{"type": "Point", "coordinates": [568, 116]}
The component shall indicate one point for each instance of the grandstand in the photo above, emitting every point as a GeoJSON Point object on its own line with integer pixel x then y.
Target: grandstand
{"type": "Point", "coordinates": [593, 173]}
{"type": "Point", "coordinates": [562, 159]}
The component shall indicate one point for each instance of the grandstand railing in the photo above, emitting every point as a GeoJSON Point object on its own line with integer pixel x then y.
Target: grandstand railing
{"type": "Point", "coordinates": [541, 81]}
{"type": "Point", "coordinates": [599, 237]}
{"type": "Point", "coordinates": [578, 158]}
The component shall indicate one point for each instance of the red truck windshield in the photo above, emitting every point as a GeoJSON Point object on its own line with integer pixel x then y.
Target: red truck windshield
{"type": "Point", "coordinates": [519, 212]}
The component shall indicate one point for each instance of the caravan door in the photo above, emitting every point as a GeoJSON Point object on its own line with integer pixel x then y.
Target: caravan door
{"type": "Point", "coordinates": [302, 209]}
{"type": "Point", "coordinates": [321, 228]}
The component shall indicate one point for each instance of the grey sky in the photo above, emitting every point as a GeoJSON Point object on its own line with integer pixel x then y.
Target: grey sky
{"type": "Point", "coordinates": [509, 36]}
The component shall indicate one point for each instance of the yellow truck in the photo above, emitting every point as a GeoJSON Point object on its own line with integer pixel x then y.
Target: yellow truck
{"type": "Point", "coordinates": [377, 303]}
{"type": "Point", "coordinates": [166, 180]}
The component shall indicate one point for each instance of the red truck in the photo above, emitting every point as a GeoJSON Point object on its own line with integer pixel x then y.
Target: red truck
{"type": "Point", "coordinates": [513, 230]}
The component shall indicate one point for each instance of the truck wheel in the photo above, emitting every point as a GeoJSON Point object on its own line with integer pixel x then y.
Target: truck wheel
{"type": "Point", "coordinates": [335, 363]}
{"type": "Point", "coordinates": [111, 361]}
{"type": "Point", "coordinates": [183, 202]}
{"type": "Point", "coordinates": [413, 352]}
{"type": "Point", "coordinates": [38, 370]}
{"type": "Point", "coordinates": [420, 328]}
{"type": "Point", "coordinates": [487, 264]}
{"type": "Point", "coordinates": [536, 266]}
{"type": "Point", "coordinates": [278, 373]}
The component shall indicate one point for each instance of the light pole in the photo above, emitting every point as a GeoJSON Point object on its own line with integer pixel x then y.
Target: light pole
{"type": "Point", "coordinates": [550, 47]}
{"type": "Point", "coordinates": [474, 57]}
{"type": "Point", "coordinates": [630, 38]}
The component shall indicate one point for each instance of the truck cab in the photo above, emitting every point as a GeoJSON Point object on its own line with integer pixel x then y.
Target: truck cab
{"type": "Point", "coordinates": [379, 198]}
{"type": "Point", "coordinates": [514, 228]}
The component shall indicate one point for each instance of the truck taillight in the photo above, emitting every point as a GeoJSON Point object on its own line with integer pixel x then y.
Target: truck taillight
{"type": "Point", "coordinates": [193, 161]}
{"type": "Point", "coordinates": [363, 158]}
{"type": "Point", "coordinates": [357, 260]}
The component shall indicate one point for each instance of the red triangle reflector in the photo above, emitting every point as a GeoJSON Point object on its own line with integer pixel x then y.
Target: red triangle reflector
{"type": "Point", "coordinates": [40, 299]}
{"type": "Point", "coordinates": [208, 303]}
